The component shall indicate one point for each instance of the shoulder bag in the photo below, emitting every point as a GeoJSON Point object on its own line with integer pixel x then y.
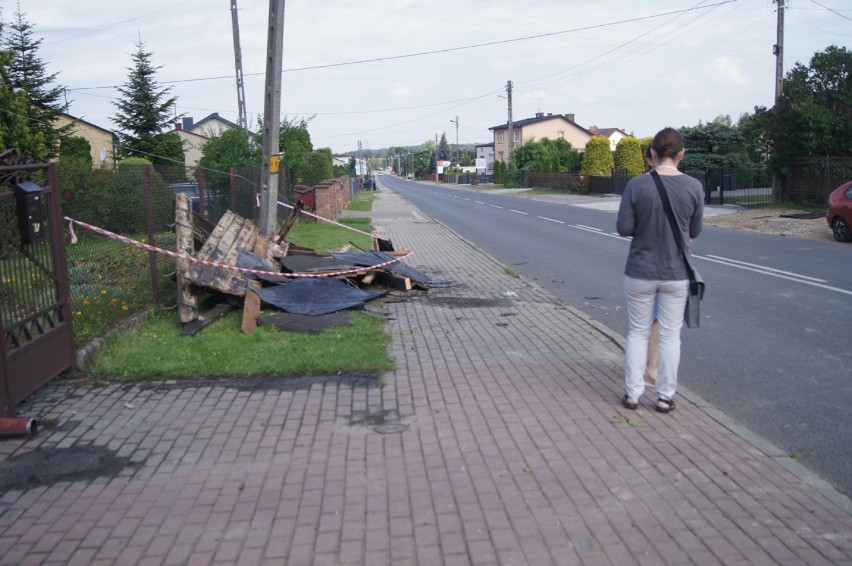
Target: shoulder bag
{"type": "Point", "coordinates": [692, 313]}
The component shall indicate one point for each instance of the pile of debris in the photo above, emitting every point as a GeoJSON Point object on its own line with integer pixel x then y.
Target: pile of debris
{"type": "Point", "coordinates": [239, 264]}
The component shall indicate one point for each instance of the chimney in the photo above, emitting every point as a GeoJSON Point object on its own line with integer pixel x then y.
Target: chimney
{"type": "Point", "coordinates": [187, 123]}
{"type": "Point", "coordinates": [550, 113]}
{"type": "Point", "coordinates": [569, 117]}
{"type": "Point", "coordinates": [539, 114]}
{"type": "Point", "coordinates": [178, 126]}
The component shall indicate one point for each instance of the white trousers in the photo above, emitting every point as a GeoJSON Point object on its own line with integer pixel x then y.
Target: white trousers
{"type": "Point", "coordinates": [671, 297]}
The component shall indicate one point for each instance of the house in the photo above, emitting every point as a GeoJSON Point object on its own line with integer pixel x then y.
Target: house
{"type": "Point", "coordinates": [192, 144]}
{"type": "Point", "coordinates": [485, 151]}
{"type": "Point", "coordinates": [208, 126]}
{"type": "Point", "coordinates": [101, 140]}
{"type": "Point", "coordinates": [541, 126]}
{"type": "Point", "coordinates": [614, 135]}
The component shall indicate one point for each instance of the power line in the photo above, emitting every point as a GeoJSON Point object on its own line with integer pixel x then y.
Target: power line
{"type": "Point", "coordinates": [448, 49]}
{"type": "Point", "coordinates": [832, 11]}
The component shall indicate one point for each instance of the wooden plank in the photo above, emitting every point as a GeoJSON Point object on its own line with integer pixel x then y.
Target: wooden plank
{"type": "Point", "coordinates": [391, 280]}
{"type": "Point", "coordinates": [288, 222]}
{"type": "Point", "coordinates": [196, 326]}
{"type": "Point", "coordinates": [231, 233]}
{"type": "Point", "coordinates": [251, 304]}
{"type": "Point", "coordinates": [187, 301]}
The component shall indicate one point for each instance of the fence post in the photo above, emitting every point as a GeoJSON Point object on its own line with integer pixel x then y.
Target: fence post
{"type": "Point", "coordinates": [149, 226]}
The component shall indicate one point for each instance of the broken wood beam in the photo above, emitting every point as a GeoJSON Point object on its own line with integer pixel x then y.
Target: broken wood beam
{"type": "Point", "coordinates": [185, 244]}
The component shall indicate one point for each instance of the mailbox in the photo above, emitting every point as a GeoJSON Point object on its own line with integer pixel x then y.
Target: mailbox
{"type": "Point", "coordinates": [30, 212]}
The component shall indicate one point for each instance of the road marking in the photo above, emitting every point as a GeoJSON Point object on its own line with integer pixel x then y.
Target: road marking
{"type": "Point", "coordinates": [478, 202]}
{"type": "Point", "coordinates": [766, 271]}
{"type": "Point", "coordinates": [518, 211]}
{"type": "Point", "coordinates": [551, 219]}
{"type": "Point", "coordinates": [598, 232]}
{"type": "Point", "coordinates": [764, 268]}
{"type": "Point", "coordinates": [495, 206]}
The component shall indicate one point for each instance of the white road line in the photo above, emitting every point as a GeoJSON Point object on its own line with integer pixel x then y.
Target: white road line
{"type": "Point", "coordinates": [551, 219]}
{"type": "Point", "coordinates": [478, 202]}
{"type": "Point", "coordinates": [764, 268]}
{"type": "Point", "coordinates": [495, 206]}
{"type": "Point", "coordinates": [518, 211]}
{"type": "Point", "coordinates": [778, 275]}
{"type": "Point", "coordinates": [598, 232]}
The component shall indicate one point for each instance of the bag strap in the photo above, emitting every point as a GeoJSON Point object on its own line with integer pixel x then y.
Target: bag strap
{"type": "Point", "coordinates": [678, 236]}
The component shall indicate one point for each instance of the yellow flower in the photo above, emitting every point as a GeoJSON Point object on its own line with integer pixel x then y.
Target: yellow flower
{"type": "Point", "coordinates": [124, 307]}
{"type": "Point", "coordinates": [103, 291]}
{"type": "Point", "coordinates": [86, 302]}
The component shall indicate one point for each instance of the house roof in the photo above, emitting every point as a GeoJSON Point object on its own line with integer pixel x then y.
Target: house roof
{"type": "Point", "coordinates": [214, 117]}
{"type": "Point", "coordinates": [607, 132]}
{"type": "Point", "coordinates": [82, 121]}
{"type": "Point", "coordinates": [537, 119]}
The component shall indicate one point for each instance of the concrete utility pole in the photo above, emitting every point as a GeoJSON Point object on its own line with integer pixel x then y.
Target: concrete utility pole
{"type": "Point", "coordinates": [778, 50]}
{"type": "Point", "coordinates": [272, 119]}
{"type": "Point", "coordinates": [509, 97]}
{"type": "Point", "coordinates": [238, 63]}
{"type": "Point", "coordinates": [458, 153]}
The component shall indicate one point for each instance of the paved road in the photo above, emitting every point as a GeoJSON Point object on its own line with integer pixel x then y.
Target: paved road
{"type": "Point", "coordinates": [773, 349]}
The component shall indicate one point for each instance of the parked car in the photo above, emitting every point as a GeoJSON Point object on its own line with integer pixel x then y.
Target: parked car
{"type": "Point", "coordinates": [839, 215]}
{"type": "Point", "coordinates": [211, 201]}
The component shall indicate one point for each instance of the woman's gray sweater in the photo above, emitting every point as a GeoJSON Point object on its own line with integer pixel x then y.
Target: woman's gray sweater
{"type": "Point", "coordinates": [653, 251]}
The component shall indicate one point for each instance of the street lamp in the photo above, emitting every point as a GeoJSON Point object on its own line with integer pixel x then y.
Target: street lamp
{"type": "Point", "coordinates": [456, 122]}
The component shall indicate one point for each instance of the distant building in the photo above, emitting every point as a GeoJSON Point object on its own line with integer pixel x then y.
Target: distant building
{"type": "Point", "coordinates": [209, 126]}
{"type": "Point", "coordinates": [614, 135]}
{"type": "Point", "coordinates": [552, 126]}
{"type": "Point", "coordinates": [101, 140]}
{"type": "Point", "coordinates": [485, 151]}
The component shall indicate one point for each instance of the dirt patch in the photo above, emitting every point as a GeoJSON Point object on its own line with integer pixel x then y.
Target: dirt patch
{"type": "Point", "coordinates": [49, 466]}
{"type": "Point", "coordinates": [777, 221]}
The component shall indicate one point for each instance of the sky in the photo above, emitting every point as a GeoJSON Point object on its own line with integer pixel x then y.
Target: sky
{"type": "Point", "coordinates": [401, 73]}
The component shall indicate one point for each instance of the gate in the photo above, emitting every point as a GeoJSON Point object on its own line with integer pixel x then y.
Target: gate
{"type": "Point", "coordinates": [35, 309]}
{"type": "Point", "coordinates": [619, 180]}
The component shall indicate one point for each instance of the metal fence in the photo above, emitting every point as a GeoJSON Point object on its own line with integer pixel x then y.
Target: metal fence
{"type": "Point", "coordinates": [812, 180]}
{"type": "Point", "coordinates": [109, 275]}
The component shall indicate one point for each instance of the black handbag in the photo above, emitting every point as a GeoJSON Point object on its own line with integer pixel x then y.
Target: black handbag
{"type": "Point", "coordinates": [692, 312]}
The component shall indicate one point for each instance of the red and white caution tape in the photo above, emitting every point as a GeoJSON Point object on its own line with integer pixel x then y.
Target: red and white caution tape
{"type": "Point", "coordinates": [306, 213]}
{"type": "Point", "coordinates": [191, 259]}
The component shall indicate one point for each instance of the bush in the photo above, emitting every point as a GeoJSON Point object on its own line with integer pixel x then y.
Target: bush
{"type": "Point", "coordinates": [628, 155]}
{"type": "Point", "coordinates": [597, 159]}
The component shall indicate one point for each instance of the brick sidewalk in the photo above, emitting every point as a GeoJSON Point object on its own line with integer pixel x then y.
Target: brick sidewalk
{"type": "Point", "coordinates": [498, 440]}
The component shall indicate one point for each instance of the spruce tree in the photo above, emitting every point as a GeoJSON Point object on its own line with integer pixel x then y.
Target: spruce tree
{"type": "Point", "coordinates": [444, 153]}
{"type": "Point", "coordinates": [25, 74]}
{"type": "Point", "coordinates": [143, 110]}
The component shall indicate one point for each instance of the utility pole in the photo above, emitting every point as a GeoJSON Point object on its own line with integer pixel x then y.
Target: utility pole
{"type": "Point", "coordinates": [272, 119]}
{"type": "Point", "coordinates": [778, 51]}
{"type": "Point", "coordinates": [509, 97]}
{"type": "Point", "coordinates": [458, 153]}
{"type": "Point", "coordinates": [238, 63]}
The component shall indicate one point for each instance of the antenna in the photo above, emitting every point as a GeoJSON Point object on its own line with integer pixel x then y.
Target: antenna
{"type": "Point", "coordinates": [238, 64]}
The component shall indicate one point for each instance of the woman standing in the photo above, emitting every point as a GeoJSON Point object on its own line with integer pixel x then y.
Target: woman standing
{"type": "Point", "coordinates": [655, 268]}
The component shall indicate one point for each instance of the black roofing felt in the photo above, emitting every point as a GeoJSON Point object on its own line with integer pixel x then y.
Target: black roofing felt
{"type": "Point", "coordinates": [315, 296]}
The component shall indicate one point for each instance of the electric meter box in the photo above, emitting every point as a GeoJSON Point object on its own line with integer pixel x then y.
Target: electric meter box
{"type": "Point", "coordinates": [30, 212]}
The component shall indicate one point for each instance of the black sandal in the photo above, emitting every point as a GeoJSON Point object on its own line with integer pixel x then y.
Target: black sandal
{"type": "Point", "coordinates": [632, 405]}
{"type": "Point", "coordinates": [669, 405]}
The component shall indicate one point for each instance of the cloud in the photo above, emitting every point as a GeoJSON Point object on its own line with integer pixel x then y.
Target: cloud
{"type": "Point", "coordinates": [684, 104]}
{"type": "Point", "coordinates": [729, 71]}
{"type": "Point", "coordinates": [401, 90]}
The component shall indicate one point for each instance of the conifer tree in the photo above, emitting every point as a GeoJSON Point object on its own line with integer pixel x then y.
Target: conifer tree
{"type": "Point", "coordinates": [25, 75]}
{"type": "Point", "coordinates": [143, 111]}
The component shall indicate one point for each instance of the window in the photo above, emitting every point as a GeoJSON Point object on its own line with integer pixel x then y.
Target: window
{"type": "Point", "coordinates": [516, 136]}
{"type": "Point", "coordinates": [500, 137]}
{"type": "Point", "coordinates": [561, 134]}
{"type": "Point", "coordinates": [500, 156]}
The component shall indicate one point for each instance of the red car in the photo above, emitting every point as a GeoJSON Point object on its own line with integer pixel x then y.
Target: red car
{"type": "Point", "coordinates": [839, 214]}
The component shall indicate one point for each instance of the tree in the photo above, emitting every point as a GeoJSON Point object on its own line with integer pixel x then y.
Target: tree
{"type": "Point", "coordinates": [24, 74]}
{"type": "Point", "coordinates": [75, 149]}
{"type": "Point", "coordinates": [317, 167]}
{"type": "Point", "coordinates": [597, 160]}
{"type": "Point", "coordinates": [628, 155]}
{"type": "Point", "coordinates": [143, 111]}
{"type": "Point", "coordinates": [234, 147]}
{"type": "Point", "coordinates": [295, 145]}
{"type": "Point", "coordinates": [812, 117]}
{"type": "Point", "coordinates": [444, 153]}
